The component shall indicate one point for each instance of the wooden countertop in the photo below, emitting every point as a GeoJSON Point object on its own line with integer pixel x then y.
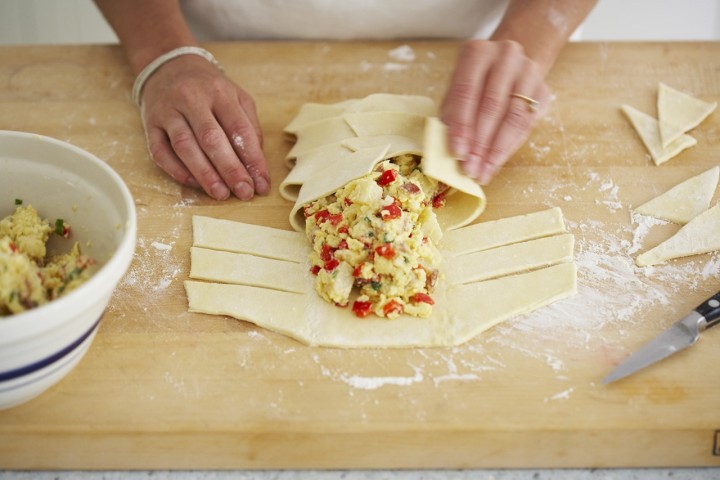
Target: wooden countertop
{"type": "Point", "coordinates": [162, 388]}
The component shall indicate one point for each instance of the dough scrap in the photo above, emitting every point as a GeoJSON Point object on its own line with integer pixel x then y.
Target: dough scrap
{"type": "Point", "coordinates": [648, 129]}
{"type": "Point", "coordinates": [700, 235]}
{"type": "Point", "coordinates": [685, 200]}
{"type": "Point", "coordinates": [464, 306]}
{"type": "Point", "coordinates": [679, 112]}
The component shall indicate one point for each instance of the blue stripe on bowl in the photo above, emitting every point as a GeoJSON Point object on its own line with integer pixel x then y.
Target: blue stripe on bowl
{"type": "Point", "coordinates": [33, 367]}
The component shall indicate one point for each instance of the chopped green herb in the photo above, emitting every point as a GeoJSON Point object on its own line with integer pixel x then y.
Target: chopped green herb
{"type": "Point", "coordinates": [18, 201]}
{"type": "Point", "coordinates": [59, 226]}
{"type": "Point", "coordinates": [375, 285]}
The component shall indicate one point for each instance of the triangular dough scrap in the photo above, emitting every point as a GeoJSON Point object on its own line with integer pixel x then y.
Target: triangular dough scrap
{"type": "Point", "coordinates": [685, 200]}
{"type": "Point", "coordinates": [468, 198]}
{"type": "Point", "coordinates": [679, 112]}
{"type": "Point", "coordinates": [648, 129]}
{"type": "Point", "coordinates": [700, 235]}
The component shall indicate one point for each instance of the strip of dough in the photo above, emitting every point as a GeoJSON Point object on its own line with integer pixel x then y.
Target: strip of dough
{"type": "Point", "coordinates": [325, 132]}
{"type": "Point", "coordinates": [700, 235]}
{"type": "Point", "coordinates": [679, 112]}
{"type": "Point", "coordinates": [246, 269]}
{"type": "Point", "coordinates": [648, 129]}
{"type": "Point", "coordinates": [230, 236]}
{"type": "Point", "coordinates": [311, 113]}
{"type": "Point", "coordinates": [368, 124]}
{"type": "Point", "coordinates": [468, 199]}
{"type": "Point", "coordinates": [685, 200]}
{"type": "Point", "coordinates": [314, 112]}
{"type": "Point", "coordinates": [309, 165]}
{"type": "Point", "coordinates": [509, 259]}
{"type": "Point", "coordinates": [494, 301]}
{"type": "Point", "coordinates": [505, 231]}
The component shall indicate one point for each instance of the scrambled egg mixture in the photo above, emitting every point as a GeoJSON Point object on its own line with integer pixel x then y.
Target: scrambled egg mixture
{"type": "Point", "coordinates": [375, 238]}
{"type": "Point", "coordinates": [27, 278]}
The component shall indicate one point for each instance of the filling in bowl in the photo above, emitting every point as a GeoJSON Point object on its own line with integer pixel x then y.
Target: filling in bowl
{"type": "Point", "coordinates": [28, 276]}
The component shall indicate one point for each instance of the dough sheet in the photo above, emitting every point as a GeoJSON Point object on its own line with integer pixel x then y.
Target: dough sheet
{"type": "Point", "coordinates": [527, 269]}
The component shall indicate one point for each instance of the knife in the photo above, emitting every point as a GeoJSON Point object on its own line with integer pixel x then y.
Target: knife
{"type": "Point", "coordinates": [679, 336]}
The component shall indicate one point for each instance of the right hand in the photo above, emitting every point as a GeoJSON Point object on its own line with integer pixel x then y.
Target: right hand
{"type": "Point", "coordinates": [202, 129]}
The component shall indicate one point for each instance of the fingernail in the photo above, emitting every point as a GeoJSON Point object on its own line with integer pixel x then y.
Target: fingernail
{"type": "Point", "coordinates": [460, 149]}
{"type": "Point", "coordinates": [243, 191]}
{"type": "Point", "coordinates": [219, 191]}
{"type": "Point", "coordinates": [472, 165]}
{"type": "Point", "coordinates": [261, 185]}
{"type": "Point", "coordinates": [485, 174]}
{"type": "Point", "coordinates": [193, 183]}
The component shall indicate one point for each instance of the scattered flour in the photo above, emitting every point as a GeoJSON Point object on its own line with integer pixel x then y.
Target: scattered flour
{"type": "Point", "coordinates": [612, 291]}
{"type": "Point", "coordinates": [403, 53]}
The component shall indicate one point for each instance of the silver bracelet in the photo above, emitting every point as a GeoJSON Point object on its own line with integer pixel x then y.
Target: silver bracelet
{"type": "Point", "coordinates": [163, 59]}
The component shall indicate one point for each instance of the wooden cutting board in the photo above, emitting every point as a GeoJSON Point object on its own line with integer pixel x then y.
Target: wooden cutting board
{"type": "Point", "coordinates": [162, 388]}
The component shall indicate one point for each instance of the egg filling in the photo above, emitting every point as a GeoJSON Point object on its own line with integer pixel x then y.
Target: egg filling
{"type": "Point", "coordinates": [374, 241]}
{"type": "Point", "coordinates": [28, 278]}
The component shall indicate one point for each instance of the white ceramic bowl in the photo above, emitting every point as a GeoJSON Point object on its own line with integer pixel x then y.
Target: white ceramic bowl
{"type": "Point", "coordinates": [40, 346]}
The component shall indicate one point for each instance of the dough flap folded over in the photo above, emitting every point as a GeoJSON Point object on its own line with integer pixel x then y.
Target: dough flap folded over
{"type": "Point", "coordinates": [339, 143]}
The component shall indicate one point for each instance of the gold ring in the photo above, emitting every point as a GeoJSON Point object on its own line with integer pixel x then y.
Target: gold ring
{"type": "Point", "coordinates": [531, 102]}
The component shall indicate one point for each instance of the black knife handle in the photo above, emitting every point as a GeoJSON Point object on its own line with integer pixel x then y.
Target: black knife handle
{"type": "Point", "coordinates": [710, 309]}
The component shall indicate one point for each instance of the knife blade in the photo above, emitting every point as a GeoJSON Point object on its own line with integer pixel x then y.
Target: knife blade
{"type": "Point", "coordinates": [677, 337]}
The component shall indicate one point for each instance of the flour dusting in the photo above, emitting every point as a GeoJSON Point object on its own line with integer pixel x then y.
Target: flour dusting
{"type": "Point", "coordinates": [403, 53]}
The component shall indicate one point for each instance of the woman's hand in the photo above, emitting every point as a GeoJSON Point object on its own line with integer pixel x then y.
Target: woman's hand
{"type": "Point", "coordinates": [488, 107]}
{"type": "Point", "coordinates": [203, 130]}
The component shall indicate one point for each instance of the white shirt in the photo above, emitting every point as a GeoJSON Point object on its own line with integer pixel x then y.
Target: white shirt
{"type": "Point", "coordinates": [341, 19]}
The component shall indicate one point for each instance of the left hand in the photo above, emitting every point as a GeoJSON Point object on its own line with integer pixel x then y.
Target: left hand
{"type": "Point", "coordinates": [486, 123]}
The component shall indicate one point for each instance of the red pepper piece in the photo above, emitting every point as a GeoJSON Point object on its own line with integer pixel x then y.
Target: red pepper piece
{"type": "Point", "coordinates": [321, 216]}
{"type": "Point", "coordinates": [315, 269]}
{"type": "Point", "coordinates": [387, 177]}
{"type": "Point", "coordinates": [423, 298]}
{"type": "Point", "coordinates": [327, 252]}
{"type": "Point", "coordinates": [438, 200]}
{"type": "Point", "coordinates": [390, 212]}
{"type": "Point", "coordinates": [386, 250]}
{"type": "Point", "coordinates": [362, 309]}
{"type": "Point", "coordinates": [393, 306]}
{"type": "Point", "coordinates": [331, 264]}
